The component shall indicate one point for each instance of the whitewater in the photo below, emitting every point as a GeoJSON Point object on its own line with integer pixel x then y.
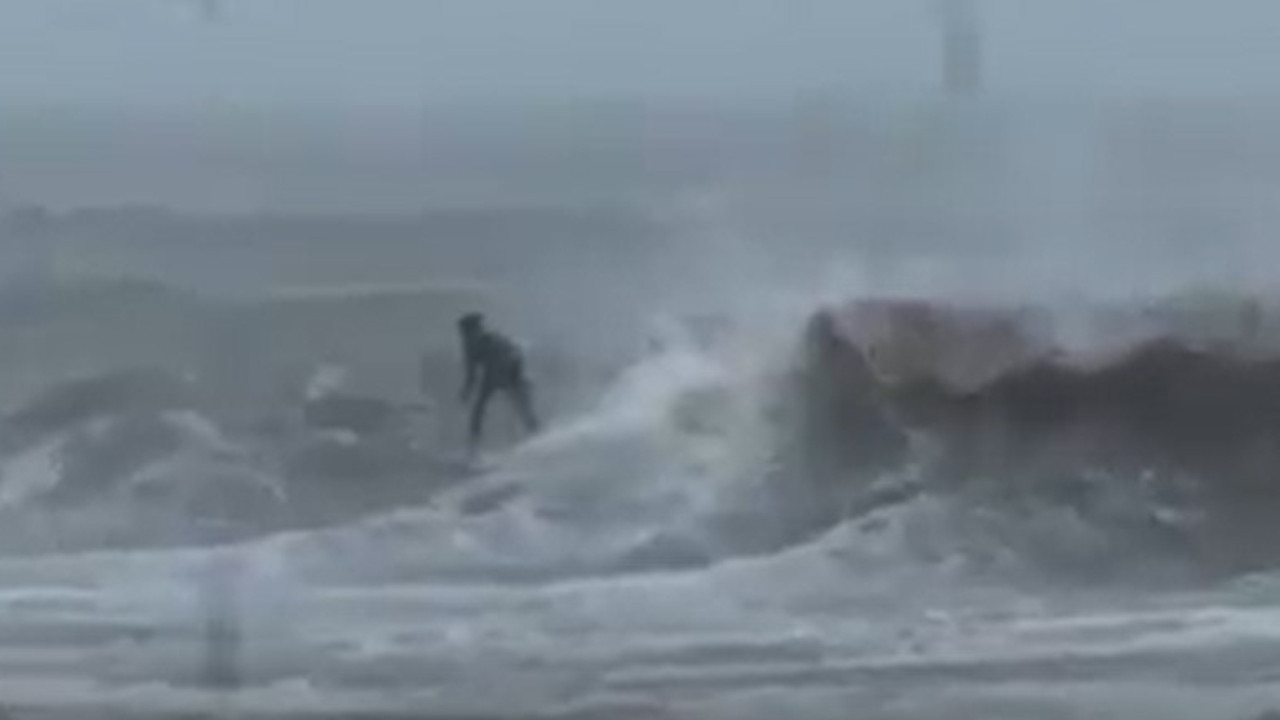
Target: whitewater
{"type": "Point", "coordinates": [650, 555]}
{"type": "Point", "coordinates": [173, 543]}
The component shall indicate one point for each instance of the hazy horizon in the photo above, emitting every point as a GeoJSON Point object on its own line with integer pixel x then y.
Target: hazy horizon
{"type": "Point", "coordinates": [406, 54]}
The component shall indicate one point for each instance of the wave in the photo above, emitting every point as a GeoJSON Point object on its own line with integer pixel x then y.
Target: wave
{"type": "Point", "coordinates": [1160, 441]}
{"type": "Point", "coordinates": [138, 457]}
{"type": "Point", "coordinates": [1088, 440]}
{"type": "Point", "coordinates": [629, 484]}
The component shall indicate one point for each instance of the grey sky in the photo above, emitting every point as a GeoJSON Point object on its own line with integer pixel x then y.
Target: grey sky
{"type": "Point", "coordinates": [409, 51]}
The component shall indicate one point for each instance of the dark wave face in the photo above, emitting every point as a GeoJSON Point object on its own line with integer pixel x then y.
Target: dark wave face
{"type": "Point", "coordinates": [1189, 433]}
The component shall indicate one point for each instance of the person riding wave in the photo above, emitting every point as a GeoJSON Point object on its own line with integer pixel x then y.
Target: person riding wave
{"type": "Point", "coordinates": [492, 364]}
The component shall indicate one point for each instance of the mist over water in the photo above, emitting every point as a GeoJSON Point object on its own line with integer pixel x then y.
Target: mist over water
{"type": "Point", "coordinates": [654, 553]}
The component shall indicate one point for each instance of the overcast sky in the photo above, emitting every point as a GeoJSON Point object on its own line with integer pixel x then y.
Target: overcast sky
{"type": "Point", "coordinates": [411, 51]}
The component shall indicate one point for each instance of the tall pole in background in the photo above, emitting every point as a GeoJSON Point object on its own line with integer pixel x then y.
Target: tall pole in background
{"type": "Point", "coordinates": [961, 48]}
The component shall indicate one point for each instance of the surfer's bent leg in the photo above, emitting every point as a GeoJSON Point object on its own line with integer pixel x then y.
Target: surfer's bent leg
{"type": "Point", "coordinates": [521, 395]}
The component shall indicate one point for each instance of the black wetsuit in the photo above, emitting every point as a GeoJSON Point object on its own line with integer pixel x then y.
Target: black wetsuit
{"type": "Point", "coordinates": [495, 364]}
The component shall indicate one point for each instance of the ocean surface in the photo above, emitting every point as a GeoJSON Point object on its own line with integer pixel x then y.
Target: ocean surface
{"type": "Point", "coordinates": [653, 553]}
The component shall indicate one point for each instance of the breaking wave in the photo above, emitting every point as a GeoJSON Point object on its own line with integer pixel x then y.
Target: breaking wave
{"type": "Point", "coordinates": [725, 439]}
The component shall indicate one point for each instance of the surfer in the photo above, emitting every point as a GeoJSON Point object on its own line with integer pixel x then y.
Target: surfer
{"type": "Point", "coordinates": [492, 363]}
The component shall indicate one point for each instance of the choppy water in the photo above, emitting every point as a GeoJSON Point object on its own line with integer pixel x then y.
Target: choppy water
{"type": "Point", "coordinates": [626, 564]}
{"type": "Point", "coordinates": [650, 555]}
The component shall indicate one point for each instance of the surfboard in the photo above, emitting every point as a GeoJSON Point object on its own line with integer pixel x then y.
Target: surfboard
{"type": "Point", "coordinates": [481, 492]}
